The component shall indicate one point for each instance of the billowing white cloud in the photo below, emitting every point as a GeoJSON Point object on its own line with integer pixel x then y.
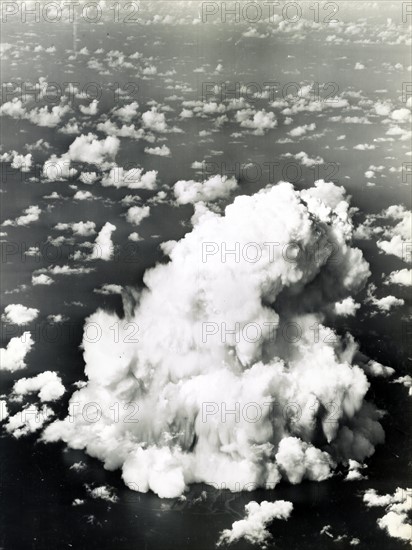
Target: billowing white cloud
{"type": "Point", "coordinates": [103, 492]}
{"type": "Point", "coordinates": [155, 121]}
{"type": "Point", "coordinates": [354, 471]}
{"type": "Point", "coordinates": [137, 214]}
{"type": "Point", "coordinates": [90, 109]}
{"type": "Point", "coordinates": [41, 116]}
{"type": "Point", "coordinates": [302, 130]}
{"type": "Point", "coordinates": [103, 246]}
{"type": "Point", "coordinates": [298, 460]}
{"type": "Point", "coordinates": [162, 151]}
{"type": "Point", "coordinates": [83, 195]}
{"type": "Point", "coordinates": [12, 357]}
{"type": "Point", "coordinates": [253, 527]}
{"type": "Point", "coordinates": [346, 307]}
{"type": "Point", "coordinates": [47, 384]}
{"type": "Point", "coordinates": [128, 112]}
{"type": "Point", "coordinates": [135, 178]}
{"type": "Point", "coordinates": [19, 162]}
{"type": "Point", "coordinates": [29, 420]}
{"type": "Point", "coordinates": [384, 304]}
{"type": "Point", "coordinates": [258, 121]}
{"type": "Point", "coordinates": [85, 148]}
{"type": "Point", "coordinates": [397, 507]}
{"type": "Point", "coordinates": [401, 277]}
{"type": "Point", "coordinates": [396, 238]}
{"type": "Point", "coordinates": [41, 279]}
{"type": "Point", "coordinates": [374, 368]}
{"type": "Point", "coordinates": [88, 148]}
{"type": "Point", "coordinates": [30, 215]}
{"type": "Point", "coordinates": [216, 187]}
{"type": "Point", "coordinates": [81, 229]}
{"type": "Point", "coordinates": [178, 362]}
{"type": "Point", "coordinates": [19, 314]}
{"type": "Point", "coordinates": [88, 177]}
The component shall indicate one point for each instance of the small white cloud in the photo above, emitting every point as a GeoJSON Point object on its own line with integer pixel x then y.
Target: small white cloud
{"type": "Point", "coordinates": [41, 279]}
{"type": "Point", "coordinates": [103, 246]}
{"type": "Point", "coordinates": [109, 289]}
{"type": "Point", "coordinates": [135, 178]}
{"type": "Point", "coordinates": [254, 527]}
{"type": "Point", "coordinates": [12, 357]}
{"type": "Point", "coordinates": [216, 187]}
{"type": "Point", "coordinates": [19, 314]}
{"type": "Point", "coordinates": [103, 492]}
{"type": "Point", "coordinates": [162, 151]}
{"type": "Point", "coordinates": [30, 215]}
{"type": "Point", "coordinates": [302, 130]}
{"type": "Point", "coordinates": [19, 162]}
{"type": "Point", "coordinates": [346, 307]}
{"type": "Point", "coordinates": [136, 214]}
{"type": "Point", "coordinates": [397, 507]}
{"type": "Point", "coordinates": [401, 277]}
{"type": "Point", "coordinates": [28, 420]}
{"type": "Point", "coordinates": [90, 109]}
{"type": "Point", "coordinates": [81, 229]}
{"type": "Point", "coordinates": [47, 384]}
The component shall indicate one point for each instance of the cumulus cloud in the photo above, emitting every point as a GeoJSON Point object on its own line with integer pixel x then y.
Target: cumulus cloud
{"type": "Point", "coordinates": [354, 471]}
{"type": "Point", "coordinates": [401, 277]}
{"type": "Point", "coordinates": [397, 507]}
{"type": "Point", "coordinates": [405, 381]}
{"type": "Point", "coordinates": [136, 214]}
{"type": "Point", "coordinates": [47, 384]}
{"type": "Point", "coordinates": [162, 151]}
{"type": "Point", "coordinates": [13, 357]}
{"type": "Point", "coordinates": [30, 215]}
{"type": "Point", "coordinates": [254, 527]}
{"type": "Point", "coordinates": [258, 121]}
{"type": "Point", "coordinates": [87, 149]}
{"type": "Point", "coordinates": [302, 130]}
{"type": "Point", "coordinates": [374, 368]}
{"type": "Point", "coordinates": [88, 177]}
{"type": "Point", "coordinates": [391, 228]}
{"type": "Point", "coordinates": [346, 307]}
{"type": "Point", "coordinates": [108, 289]}
{"type": "Point", "coordinates": [384, 304]}
{"type": "Point", "coordinates": [216, 187]}
{"type": "Point", "coordinates": [29, 420]}
{"type": "Point", "coordinates": [135, 178]}
{"type": "Point", "coordinates": [103, 246]}
{"type": "Point", "coordinates": [19, 314]}
{"type": "Point", "coordinates": [41, 279]}
{"type": "Point", "coordinates": [155, 121]}
{"type": "Point", "coordinates": [298, 460]}
{"type": "Point", "coordinates": [83, 195]}
{"type": "Point", "coordinates": [397, 237]}
{"type": "Point", "coordinates": [104, 492]}
{"type": "Point", "coordinates": [19, 162]}
{"type": "Point", "coordinates": [41, 116]}
{"type": "Point", "coordinates": [90, 109]}
{"type": "Point", "coordinates": [128, 112]}
{"type": "Point", "coordinates": [81, 229]}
